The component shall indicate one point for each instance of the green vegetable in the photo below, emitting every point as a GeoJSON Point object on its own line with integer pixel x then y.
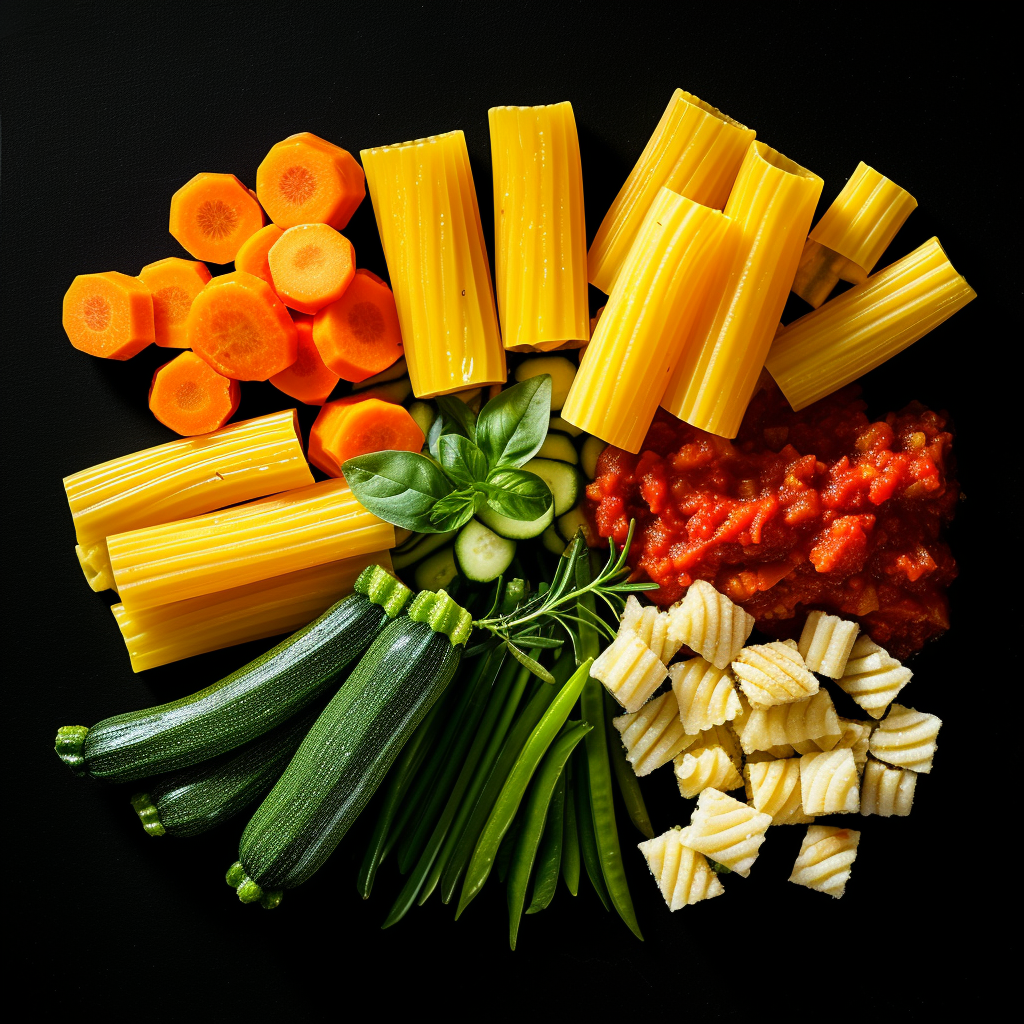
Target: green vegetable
{"type": "Point", "coordinates": [423, 415]}
{"type": "Point", "coordinates": [399, 487]}
{"type": "Point", "coordinates": [515, 529]}
{"type": "Point", "coordinates": [553, 541]}
{"type": "Point", "coordinates": [517, 494]}
{"type": "Point", "coordinates": [422, 546]}
{"type": "Point", "coordinates": [570, 834]}
{"type": "Point", "coordinates": [560, 448]}
{"type": "Point", "coordinates": [481, 554]}
{"type": "Point", "coordinates": [629, 784]}
{"type": "Point", "coordinates": [589, 853]}
{"type": "Point", "coordinates": [560, 426]}
{"type": "Point", "coordinates": [437, 571]}
{"type": "Point", "coordinates": [589, 454]}
{"type": "Point", "coordinates": [512, 426]}
{"type": "Point", "coordinates": [549, 854]}
{"type": "Point", "coordinates": [561, 371]}
{"type": "Point", "coordinates": [563, 482]}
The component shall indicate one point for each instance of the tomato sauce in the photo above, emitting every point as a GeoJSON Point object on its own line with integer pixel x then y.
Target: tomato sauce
{"type": "Point", "coordinates": [814, 509]}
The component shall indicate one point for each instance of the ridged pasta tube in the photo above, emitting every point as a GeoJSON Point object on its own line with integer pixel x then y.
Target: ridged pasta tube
{"type": "Point", "coordinates": [826, 642]}
{"type": "Point", "coordinates": [825, 859]}
{"type": "Point", "coordinates": [718, 736]}
{"type": "Point", "coordinates": [773, 787]}
{"type": "Point", "coordinates": [695, 151]}
{"type": "Point", "coordinates": [785, 724]}
{"type": "Point", "coordinates": [887, 791]}
{"type": "Point", "coordinates": [425, 203]}
{"type": "Point", "coordinates": [773, 674]}
{"type": "Point", "coordinates": [829, 783]}
{"type": "Point", "coordinates": [855, 736]}
{"type": "Point", "coordinates": [710, 624]}
{"type": "Point", "coordinates": [705, 694]}
{"type": "Point", "coordinates": [906, 738]}
{"type": "Point", "coordinates": [711, 767]}
{"type": "Point", "coordinates": [650, 624]}
{"type": "Point", "coordinates": [872, 677]}
{"type": "Point", "coordinates": [540, 248]}
{"type": "Point", "coordinates": [653, 735]}
{"type": "Point", "coordinates": [726, 830]}
{"type": "Point", "coordinates": [630, 671]}
{"type": "Point", "coordinates": [682, 874]}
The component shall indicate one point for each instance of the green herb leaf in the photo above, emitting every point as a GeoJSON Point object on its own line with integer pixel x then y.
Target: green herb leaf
{"type": "Point", "coordinates": [454, 417]}
{"type": "Point", "coordinates": [517, 494]}
{"type": "Point", "coordinates": [461, 459]}
{"type": "Point", "coordinates": [534, 666]}
{"type": "Point", "coordinates": [453, 510]}
{"type": "Point", "coordinates": [399, 487]}
{"type": "Point", "coordinates": [512, 426]}
{"type": "Point", "coordinates": [541, 642]}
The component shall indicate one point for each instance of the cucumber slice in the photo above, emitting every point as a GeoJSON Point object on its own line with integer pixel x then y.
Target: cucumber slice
{"type": "Point", "coordinates": [437, 571]}
{"type": "Point", "coordinates": [515, 529]}
{"type": "Point", "coordinates": [571, 522]}
{"type": "Point", "coordinates": [560, 426]}
{"type": "Point", "coordinates": [562, 375]}
{"type": "Point", "coordinates": [401, 536]}
{"type": "Point", "coordinates": [427, 546]}
{"type": "Point", "coordinates": [563, 481]}
{"type": "Point", "coordinates": [559, 447]}
{"type": "Point", "coordinates": [396, 391]}
{"type": "Point", "coordinates": [592, 448]}
{"type": "Point", "coordinates": [482, 555]}
{"type": "Point", "coordinates": [423, 414]}
{"type": "Point", "coordinates": [393, 372]}
{"type": "Point", "coordinates": [552, 540]}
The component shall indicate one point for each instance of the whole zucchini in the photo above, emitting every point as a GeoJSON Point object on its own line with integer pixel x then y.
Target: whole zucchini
{"type": "Point", "coordinates": [350, 748]}
{"type": "Point", "coordinates": [243, 705]}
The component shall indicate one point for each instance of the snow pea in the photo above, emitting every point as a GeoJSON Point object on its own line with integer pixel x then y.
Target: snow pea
{"type": "Point", "coordinates": [585, 823]}
{"type": "Point", "coordinates": [629, 784]}
{"type": "Point", "coordinates": [549, 854]}
{"type": "Point", "coordinates": [570, 835]}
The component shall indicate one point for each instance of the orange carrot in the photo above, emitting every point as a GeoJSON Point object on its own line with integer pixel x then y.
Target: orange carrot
{"type": "Point", "coordinates": [307, 379]}
{"type": "Point", "coordinates": [252, 254]}
{"type": "Point", "coordinates": [359, 335]}
{"type": "Point", "coordinates": [306, 180]}
{"type": "Point", "coordinates": [311, 265]}
{"type": "Point", "coordinates": [174, 284]}
{"type": "Point", "coordinates": [326, 437]}
{"type": "Point", "coordinates": [241, 328]}
{"type": "Point", "coordinates": [109, 315]}
{"type": "Point", "coordinates": [190, 398]}
{"type": "Point", "coordinates": [212, 215]}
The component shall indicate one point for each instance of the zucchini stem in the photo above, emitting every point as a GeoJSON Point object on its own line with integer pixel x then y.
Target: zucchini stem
{"type": "Point", "coordinates": [248, 891]}
{"type": "Point", "coordinates": [69, 745]}
{"type": "Point", "coordinates": [148, 814]}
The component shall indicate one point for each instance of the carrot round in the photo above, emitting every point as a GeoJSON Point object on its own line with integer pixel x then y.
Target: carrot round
{"type": "Point", "coordinates": [308, 380]}
{"type": "Point", "coordinates": [359, 335]}
{"type": "Point", "coordinates": [191, 398]}
{"type": "Point", "coordinates": [212, 215]}
{"type": "Point", "coordinates": [306, 180]}
{"type": "Point", "coordinates": [241, 328]}
{"type": "Point", "coordinates": [382, 425]}
{"type": "Point", "coordinates": [311, 266]}
{"type": "Point", "coordinates": [252, 254]}
{"type": "Point", "coordinates": [109, 315]}
{"type": "Point", "coordinates": [174, 284]}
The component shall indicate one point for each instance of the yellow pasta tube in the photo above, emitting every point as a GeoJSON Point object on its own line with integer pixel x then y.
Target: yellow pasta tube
{"type": "Point", "coordinates": [429, 222]}
{"type": "Point", "coordinates": [772, 201]}
{"type": "Point", "coordinates": [540, 235]}
{"type": "Point", "coordinates": [647, 320]}
{"type": "Point", "coordinates": [281, 604]}
{"type": "Point", "coordinates": [695, 151]}
{"type": "Point", "coordinates": [272, 536]}
{"type": "Point", "coordinates": [865, 326]}
{"type": "Point", "coordinates": [183, 478]}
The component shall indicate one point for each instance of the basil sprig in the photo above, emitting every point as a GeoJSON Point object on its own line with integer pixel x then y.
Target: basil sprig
{"type": "Point", "coordinates": [474, 461]}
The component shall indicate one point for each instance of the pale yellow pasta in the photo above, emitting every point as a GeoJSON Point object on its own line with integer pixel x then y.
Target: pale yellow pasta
{"type": "Point", "coordinates": [906, 738]}
{"type": "Point", "coordinates": [630, 671]}
{"type": "Point", "coordinates": [710, 624]}
{"type": "Point", "coordinates": [855, 736]}
{"type": "Point", "coordinates": [887, 791]}
{"type": "Point", "coordinates": [813, 718]}
{"type": "Point", "coordinates": [682, 874]}
{"type": "Point", "coordinates": [651, 625]}
{"type": "Point", "coordinates": [872, 677]}
{"type": "Point", "coordinates": [778, 753]}
{"type": "Point", "coordinates": [829, 783]}
{"type": "Point", "coordinates": [653, 735]}
{"type": "Point", "coordinates": [826, 643]}
{"type": "Point", "coordinates": [773, 787]}
{"type": "Point", "coordinates": [825, 858]}
{"type": "Point", "coordinates": [711, 767]}
{"type": "Point", "coordinates": [773, 673]}
{"type": "Point", "coordinates": [719, 736]}
{"type": "Point", "coordinates": [726, 830]}
{"type": "Point", "coordinates": [705, 694]}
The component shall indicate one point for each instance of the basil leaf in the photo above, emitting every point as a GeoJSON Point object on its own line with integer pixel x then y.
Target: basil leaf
{"type": "Point", "coordinates": [512, 426]}
{"type": "Point", "coordinates": [454, 417]}
{"type": "Point", "coordinates": [461, 459]}
{"type": "Point", "coordinates": [453, 510]}
{"type": "Point", "coordinates": [399, 487]}
{"type": "Point", "coordinates": [517, 494]}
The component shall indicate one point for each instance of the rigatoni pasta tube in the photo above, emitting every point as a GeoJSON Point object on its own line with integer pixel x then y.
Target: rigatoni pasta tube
{"type": "Point", "coordinates": [539, 228]}
{"type": "Point", "coordinates": [429, 222]}
{"type": "Point", "coordinates": [647, 320]}
{"type": "Point", "coordinates": [772, 203]}
{"type": "Point", "coordinates": [696, 151]}
{"type": "Point", "coordinates": [272, 536]}
{"type": "Point", "coordinates": [866, 325]}
{"type": "Point", "coordinates": [281, 604]}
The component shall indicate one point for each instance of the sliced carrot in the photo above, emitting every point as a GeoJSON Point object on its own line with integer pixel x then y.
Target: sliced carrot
{"type": "Point", "coordinates": [325, 436]}
{"type": "Point", "coordinates": [241, 328]}
{"type": "Point", "coordinates": [191, 398]}
{"type": "Point", "coordinates": [311, 266]}
{"type": "Point", "coordinates": [372, 276]}
{"type": "Point", "coordinates": [306, 180]}
{"type": "Point", "coordinates": [212, 215]}
{"type": "Point", "coordinates": [109, 315]}
{"type": "Point", "coordinates": [174, 284]}
{"type": "Point", "coordinates": [307, 379]}
{"type": "Point", "coordinates": [252, 254]}
{"type": "Point", "coordinates": [359, 335]}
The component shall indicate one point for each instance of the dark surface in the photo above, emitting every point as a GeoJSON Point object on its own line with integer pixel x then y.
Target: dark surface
{"type": "Point", "coordinates": [105, 115]}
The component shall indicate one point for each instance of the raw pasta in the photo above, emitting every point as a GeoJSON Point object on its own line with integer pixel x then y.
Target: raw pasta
{"type": "Point", "coordinates": [719, 736]}
{"type": "Point", "coordinates": [774, 788]}
{"type": "Point", "coordinates": [855, 736]}
{"type": "Point", "coordinates": [726, 830]}
{"type": "Point", "coordinates": [887, 791]}
{"type": "Point", "coordinates": [682, 874]}
{"type": "Point", "coordinates": [825, 858]}
{"type": "Point", "coordinates": [711, 767]}
{"type": "Point", "coordinates": [906, 739]}
{"type": "Point", "coordinates": [872, 677]}
{"type": "Point", "coordinates": [778, 753]}
{"type": "Point", "coordinates": [653, 735]}
{"type": "Point", "coordinates": [814, 718]}
{"type": "Point", "coordinates": [826, 643]}
{"type": "Point", "coordinates": [710, 624]}
{"type": "Point", "coordinates": [705, 694]}
{"type": "Point", "coordinates": [773, 674]}
{"type": "Point", "coordinates": [829, 783]}
{"type": "Point", "coordinates": [630, 671]}
{"type": "Point", "coordinates": [651, 625]}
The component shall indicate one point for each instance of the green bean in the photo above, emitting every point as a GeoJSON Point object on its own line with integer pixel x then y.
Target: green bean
{"type": "Point", "coordinates": [508, 847]}
{"type": "Point", "coordinates": [629, 784]}
{"type": "Point", "coordinates": [570, 836]}
{"type": "Point", "coordinates": [588, 843]}
{"type": "Point", "coordinates": [549, 856]}
{"type": "Point", "coordinates": [512, 792]}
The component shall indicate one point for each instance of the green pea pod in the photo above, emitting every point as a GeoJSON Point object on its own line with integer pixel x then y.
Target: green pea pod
{"type": "Point", "coordinates": [570, 836]}
{"type": "Point", "coordinates": [549, 855]}
{"type": "Point", "coordinates": [503, 861]}
{"type": "Point", "coordinates": [515, 786]}
{"type": "Point", "coordinates": [588, 843]}
{"type": "Point", "coordinates": [629, 784]}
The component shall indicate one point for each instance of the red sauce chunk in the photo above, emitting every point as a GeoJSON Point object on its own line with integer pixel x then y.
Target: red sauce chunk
{"type": "Point", "coordinates": [813, 509]}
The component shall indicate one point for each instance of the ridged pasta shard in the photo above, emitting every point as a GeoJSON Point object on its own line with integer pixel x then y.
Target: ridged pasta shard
{"type": "Point", "coordinates": [906, 738]}
{"type": "Point", "coordinates": [825, 859]}
{"type": "Point", "coordinates": [682, 874]}
{"type": "Point", "coordinates": [855, 736]}
{"type": "Point", "coordinates": [708, 768]}
{"type": "Point", "coordinates": [887, 791]}
{"type": "Point", "coordinates": [705, 694]}
{"type": "Point", "coordinates": [650, 624]}
{"type": "Point", "coordinates": [653, 735]}
{"type": "Point", "coordinates": [710, 624]}
{"type": "Point", "coordinates": [726, 830]}
{"type": "Point", "coordinates": [826, 642]}
{"type": "Point", "coordinates": [778, 753]}
{"type": "Point", "coordinates": [718, 736]}
{"type": "Point", "coordinates": [773, 787]}
{"type": "Point", "coordinates": [629, 670]}
{"type": "Point", "coordinates": [829, 783]}
{"type": "Point", "coordinates": [786, 724]}
{"type": "Point", "coordinates": [773, 673]}
{"type": "Point", "coordinates": [872, 677]}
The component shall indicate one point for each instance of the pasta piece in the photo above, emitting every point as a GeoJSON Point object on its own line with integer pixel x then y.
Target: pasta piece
{"type": "Point", "coordinates": [906, 739]}
{"type": "Point", "coordinates": [653, 735]}
{"type": "Point", "coordinates": [814, 718]}
{"type": "Point", "coordinates": [825, 858]}
{"type": "Point", "coordinates": [95, 563]}
{"type": "Point", "coordinates": [872, 677]}
{"type": "Point", "coordinates": [887, 791]}
{"type": "Point", "coordinates": [308, 526]}
{"type": "Point", "coordinates": [773, 787]}
{"type": "Point", "coordinates": [826, 643]}
{"type": "Point", "coordinates": [772, 202]}
{"type": "Point", "coordinates": [718, 736]}
{"type": "Point", "coordinates": [829, 783]}
{"type": "Point", "coordinates": [705, 694]}
{"type": "Point", "coordinates": [647, 321]}
{"type": "Point", "coordinates": [710, 624]}
{"type": "Point", "coordinates": [651, 625]}
{"type": "Point", "coordinates": [862, 328]}
{"type": "Point", "coordinates": [695, 151]}
{"type": "Point", "coordinates": [682, 874]}
{"type": "Point", "coordinates": [711, 767]}
{"type": "Point", "coordinates": [773, 674]}
{"type": "Point", "coordinates": [429, 223]}
{"type": "Point", "coordinates": [630, 671]}
{"type": "Point", "coordinates": [778, 753]}
{"type": "Point", "coordinates": [726, 830]}
{"type": "Point", "coordinates": [540, 249]}
{"type": "Point", "coordinates": [855, 736]}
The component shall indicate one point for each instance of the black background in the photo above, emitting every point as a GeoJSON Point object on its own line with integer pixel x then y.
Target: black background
{"type": "Point", "coordinates": [106, 111]}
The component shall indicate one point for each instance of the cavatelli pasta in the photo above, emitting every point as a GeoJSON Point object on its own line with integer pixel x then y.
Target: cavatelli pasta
{"type": "Point", "coordinates": [726, 830]}
{"type": "Point", "coordinates": [653, 735]}
{"type": "Point", "coordinates": [829, 783]}
{"type": "Point", "coordinates": [855, 736]}
{"type": "Point", "coordinates": [825, 858]}
{"type": "Point", "coordinates": [773, 787]}
{"type": "Point", "coordinates": [710, 624]}
{"type": "Point", "coordinates": [682, 874]}
{"type": "Point", "coordinates": [887, 791]}
{"type": "Point", "coordinates": [826, 643]}
{"type": "Point", "coordinates": [651, 625]}
{"type": "Point", "coordinates": [872, 677]}
{"type": "Point", "coordinates": [711, 767]}
{"type": "Point", "coordinates": [630, 671]}
{"type": "Point", "coordinates": [778, 753]}
{"type": "Point", "coordinates": [906, 739]}
{"type": "Point", "coordinates": [814, 718]}
{"type": "Point", "coordinates": [719, 736]}
{"type": "Point", "coordinates": [773, 674]}
{"type": "Point", "coordinates": [705, 694]}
